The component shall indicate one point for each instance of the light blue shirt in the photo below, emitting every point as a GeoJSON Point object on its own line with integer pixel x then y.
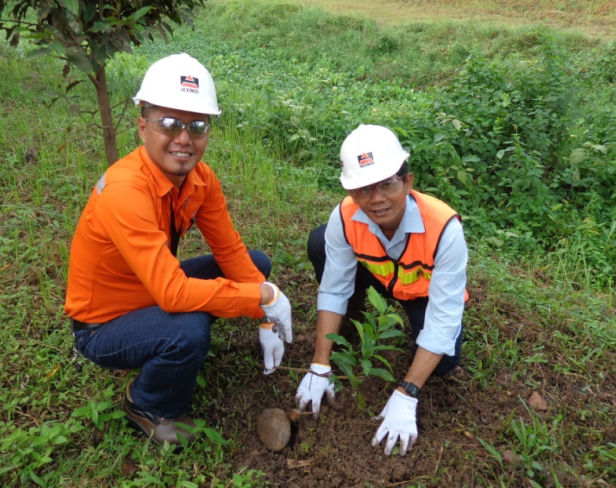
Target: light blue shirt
{"type": "Point", "coordinates": [443, 320]}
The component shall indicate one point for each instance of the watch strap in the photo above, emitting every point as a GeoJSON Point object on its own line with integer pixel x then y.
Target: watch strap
{"type": "Point", "coordinates": [411, 388]}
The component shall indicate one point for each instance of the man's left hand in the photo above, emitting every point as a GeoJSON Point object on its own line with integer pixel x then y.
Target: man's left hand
{"type": "Point", "coordinates": [279, 311]}
{"type": "Point", "coordinates": [399, 422]}
{"type": "Point", "coordinates": [272, 345]}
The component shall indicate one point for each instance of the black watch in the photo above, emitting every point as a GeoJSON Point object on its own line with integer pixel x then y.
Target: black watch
{"type": "Point", "coordinates": [411, 388]}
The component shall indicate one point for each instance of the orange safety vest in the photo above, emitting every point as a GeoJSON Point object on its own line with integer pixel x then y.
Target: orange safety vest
{"type": "Point", "coordinates": [408, 277]}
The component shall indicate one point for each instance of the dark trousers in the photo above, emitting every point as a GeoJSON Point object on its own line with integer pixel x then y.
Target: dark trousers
{"type": "Point", "coordinates": [169, 348]}
{"type": "Point", "coordinates": [415, 309]}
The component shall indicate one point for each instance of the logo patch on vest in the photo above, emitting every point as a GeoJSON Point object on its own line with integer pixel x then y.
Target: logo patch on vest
{"type": "Point", "coordinates": [365, 159]}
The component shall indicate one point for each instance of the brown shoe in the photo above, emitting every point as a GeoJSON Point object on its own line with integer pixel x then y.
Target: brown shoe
{"type": "Point", "coordinates": [157, 428]}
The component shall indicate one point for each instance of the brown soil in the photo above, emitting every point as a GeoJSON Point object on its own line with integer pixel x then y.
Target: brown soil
{"type": "Point", "coordinates": [335, 451]}
{"type": "Point", "coordinates": [454, 413]}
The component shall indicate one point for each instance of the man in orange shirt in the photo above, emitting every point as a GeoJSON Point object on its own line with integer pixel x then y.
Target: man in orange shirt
{"type": "Point", "coordinates": [132, 304]}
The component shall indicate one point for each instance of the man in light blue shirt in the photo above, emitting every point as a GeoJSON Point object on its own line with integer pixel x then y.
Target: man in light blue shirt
{"type": "Point", "coordinates": [410, 247]}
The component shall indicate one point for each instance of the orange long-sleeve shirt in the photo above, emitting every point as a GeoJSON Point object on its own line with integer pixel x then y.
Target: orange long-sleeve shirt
{"type": "Point", "coordinates": [120, 256]}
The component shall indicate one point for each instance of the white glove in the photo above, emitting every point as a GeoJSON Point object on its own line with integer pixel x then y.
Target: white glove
{"type": "Point", "coordinates": [313, 386]}
{"type": "Point", "coordinates": [398, 422]}
{"type": "Point", "coordinates": [279, 312]}
{"type": "Point", "coordinates": [272, 345]}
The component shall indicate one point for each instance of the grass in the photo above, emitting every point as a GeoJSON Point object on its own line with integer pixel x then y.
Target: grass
{"type": "Point", "coordinates": [274, 150]}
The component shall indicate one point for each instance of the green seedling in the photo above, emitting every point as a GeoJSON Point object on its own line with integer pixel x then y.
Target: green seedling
{"type": "Point", "coordinates": [376, 333]}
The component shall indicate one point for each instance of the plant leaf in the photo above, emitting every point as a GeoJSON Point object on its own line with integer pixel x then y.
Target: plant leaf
{"type": "Point", "coordinates": [366, 366]}
{"type": "Point", "coordinates": [388, 334]}
{"type": "Point", "coordinates": [382, 373]}
{"type": "Point", "coordinates": [338, 339]}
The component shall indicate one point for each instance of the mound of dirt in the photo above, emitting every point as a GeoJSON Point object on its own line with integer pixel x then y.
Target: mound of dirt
{"type": "Point", "coordinates": [335, 450]}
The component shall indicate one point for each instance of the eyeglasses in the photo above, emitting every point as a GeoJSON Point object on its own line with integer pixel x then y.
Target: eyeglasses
{"type": "Point", "coordinates": [385, 188]}
{"type": "Point", "coordinates": [173, 127]}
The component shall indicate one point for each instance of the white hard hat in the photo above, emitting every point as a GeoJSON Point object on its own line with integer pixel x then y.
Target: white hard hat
{"type": "Point", "coordinates": [181, 82]}
{"type": "Point", "coordinates": [369, 154]}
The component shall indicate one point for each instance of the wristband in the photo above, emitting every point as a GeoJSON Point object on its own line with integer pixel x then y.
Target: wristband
{"type": "Point", "coordinates": [322, 375]}
{"type": "Point", "coordinates": [276, 291]}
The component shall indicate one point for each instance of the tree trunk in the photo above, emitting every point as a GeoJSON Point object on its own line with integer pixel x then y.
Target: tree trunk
{"type": "Point", "coordinates": [109, 134]}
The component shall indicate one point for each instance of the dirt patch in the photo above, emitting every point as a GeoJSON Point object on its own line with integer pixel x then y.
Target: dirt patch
{"type": "Point", "coordinates": [457, 417]}
{"type": "Point", "coordinates": [335, 450]}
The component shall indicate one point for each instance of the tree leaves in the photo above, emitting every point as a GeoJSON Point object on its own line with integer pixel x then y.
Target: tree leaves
{"type": "Point", "coordinates": [86, 34]}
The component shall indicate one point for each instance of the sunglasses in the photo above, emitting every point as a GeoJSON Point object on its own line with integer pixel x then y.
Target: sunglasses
{"type": "Point", "coordinates": [385, 188]}
{"type": "Point", "coordinates": [173, 127]}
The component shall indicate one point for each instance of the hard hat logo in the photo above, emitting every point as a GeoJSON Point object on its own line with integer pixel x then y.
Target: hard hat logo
{"type": "Point", "coordinates": [365, 159]}
{"type": "Point", "coordinates": [189, 84]}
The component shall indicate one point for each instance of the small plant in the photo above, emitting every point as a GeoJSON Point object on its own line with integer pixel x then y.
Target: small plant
{"type": "Point", "coordinates": [534, 444]}
{"type": "Point", "coordinates": [99, 412]}
{"type": "Point", "coordinates": [249, 479]}
{"type": "Point", "coordinates": [26, 453]}
{"type": "Point", "coordinates": [378, 327]}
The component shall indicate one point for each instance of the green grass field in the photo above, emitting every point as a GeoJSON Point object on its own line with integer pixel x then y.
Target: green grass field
{"type": "Point", "coordinates": [512, 122]}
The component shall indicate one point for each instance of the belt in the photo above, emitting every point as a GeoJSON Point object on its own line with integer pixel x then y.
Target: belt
{"type": "Point", "coordinates": [78, 325]}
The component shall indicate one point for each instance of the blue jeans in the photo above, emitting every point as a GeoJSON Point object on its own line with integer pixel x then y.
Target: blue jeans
{"type": "Point", "coordinates": [415, 309]}
{"type": "Point", "coordinates": [168, 347]}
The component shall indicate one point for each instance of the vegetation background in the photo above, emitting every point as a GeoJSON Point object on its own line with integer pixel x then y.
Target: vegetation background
{"type": "Point", "coordinates": [508, 110]}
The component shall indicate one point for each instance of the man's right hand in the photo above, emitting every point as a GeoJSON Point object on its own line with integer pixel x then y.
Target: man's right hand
{"type": "Point", "coordinates": [313, 386]}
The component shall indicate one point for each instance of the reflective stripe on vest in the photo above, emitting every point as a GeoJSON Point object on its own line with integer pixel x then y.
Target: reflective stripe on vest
{"type": "Point", "coordinates": [386, 270]}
